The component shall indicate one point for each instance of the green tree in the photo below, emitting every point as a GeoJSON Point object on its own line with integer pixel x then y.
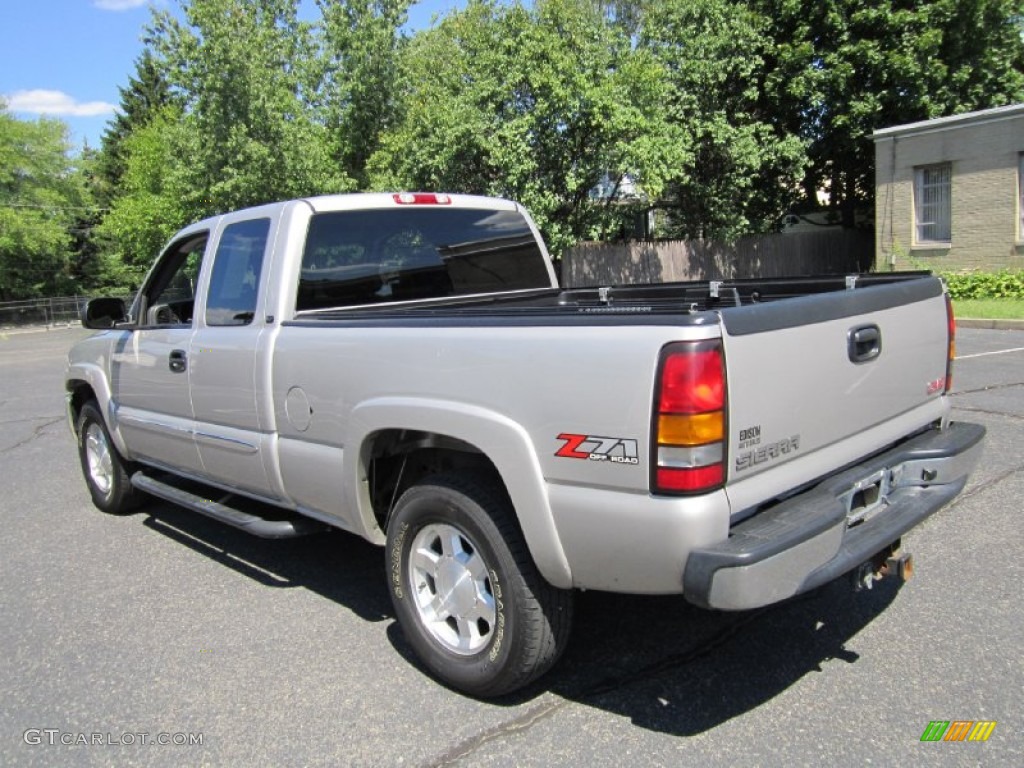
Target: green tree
{"type": "Point", "coordinates": [156, 198]}
{"type": "Point", "coordinates": [40, 194]}
{"type": "Point", "coordinates": [146, 94]}
{"type": "Point", "coordinates": [534, 104]}
{"type": "Point", "coordinates": [742, 171]}
{"type": "Point", "coordinates": [840, 69]}
{"type": "Point", "coordinates": [361, 48]}
{"type": "Point", "coordinates": [240, 68]}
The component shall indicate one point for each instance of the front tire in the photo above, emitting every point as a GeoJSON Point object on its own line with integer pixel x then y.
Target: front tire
{"type": "Point", "coordinates": [107, 474]}
{"type": "Point", "coordinates": [466, 592]}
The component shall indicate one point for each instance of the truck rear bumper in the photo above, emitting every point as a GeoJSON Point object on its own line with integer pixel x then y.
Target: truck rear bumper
{"type": "Point", "coordinates": [816, 536]}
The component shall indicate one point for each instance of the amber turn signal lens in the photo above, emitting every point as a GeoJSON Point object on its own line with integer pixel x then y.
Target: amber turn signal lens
{"type": "Point", "coordinates": [690, 429]}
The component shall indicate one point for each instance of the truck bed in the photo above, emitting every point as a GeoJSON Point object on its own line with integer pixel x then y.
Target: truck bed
{"type": "Point", "coordinates": [680, 300]}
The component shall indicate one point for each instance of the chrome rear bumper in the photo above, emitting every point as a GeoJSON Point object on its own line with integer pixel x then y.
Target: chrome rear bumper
{"type": "Point", "coordinates": [816, 536]}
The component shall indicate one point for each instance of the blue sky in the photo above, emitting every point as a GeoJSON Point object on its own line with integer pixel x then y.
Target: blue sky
{"type": "Point", "coordinates": [67, 58]}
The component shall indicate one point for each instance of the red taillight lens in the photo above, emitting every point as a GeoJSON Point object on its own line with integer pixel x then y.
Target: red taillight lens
{"type": "Point", "coordinates": [951, 351]}
{"type": "Point", "coordinates": [689, 419]}
{"type": "Point", "coordinates": [692, 382]}
{"type": "Point", "coordinates": [690, 480]}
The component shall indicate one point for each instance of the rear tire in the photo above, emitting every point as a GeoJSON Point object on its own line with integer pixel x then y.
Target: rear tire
{"type": "Point", "coordinates": [107, 474]}
{"type": "Point", "coordinates": [466, 592]}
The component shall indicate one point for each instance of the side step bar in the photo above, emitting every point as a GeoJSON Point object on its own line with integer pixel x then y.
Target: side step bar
{"type": "Point", "coordinates": [222, 512]}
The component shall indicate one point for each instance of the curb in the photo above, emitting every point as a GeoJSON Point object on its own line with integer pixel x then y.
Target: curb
{"type": "Point", "coordinates": [21, 330]}
{"type": "Point", "coordinates": [992, 325]}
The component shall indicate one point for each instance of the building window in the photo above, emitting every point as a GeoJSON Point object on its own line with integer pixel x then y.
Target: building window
{"type": "Point", "coordinates": [932, 207]}
{"type": "Point", "coordinates": [1020, 194]}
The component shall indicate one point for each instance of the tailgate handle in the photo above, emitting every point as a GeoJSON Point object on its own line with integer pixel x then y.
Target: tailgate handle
{"type": "Point", "coordinates": [864, 343]}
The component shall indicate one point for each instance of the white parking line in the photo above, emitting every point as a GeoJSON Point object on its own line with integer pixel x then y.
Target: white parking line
{"type": "Point", "coordinates": [986, 354]}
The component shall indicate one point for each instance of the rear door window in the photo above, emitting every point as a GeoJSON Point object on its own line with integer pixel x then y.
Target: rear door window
{"type": "Point", "coordinates": [235, 279]}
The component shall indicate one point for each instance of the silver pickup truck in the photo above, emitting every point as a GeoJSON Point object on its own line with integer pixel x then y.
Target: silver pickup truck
{"type": "Point", "coordinates": [405, 367]}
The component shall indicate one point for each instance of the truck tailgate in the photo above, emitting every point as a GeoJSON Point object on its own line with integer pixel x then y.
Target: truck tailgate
{"type": "Point", "coordinates": [827, 378]}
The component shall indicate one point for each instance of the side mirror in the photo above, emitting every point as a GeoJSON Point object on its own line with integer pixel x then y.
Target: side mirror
{"type": "Point", "coordinates": [100, 314]}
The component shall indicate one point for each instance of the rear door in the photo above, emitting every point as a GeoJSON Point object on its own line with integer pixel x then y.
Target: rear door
{"type": "Point", "coordinates": [223, 356]}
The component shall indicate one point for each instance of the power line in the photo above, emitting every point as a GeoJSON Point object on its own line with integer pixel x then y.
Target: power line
{"type": "Point", "coordinates": [55, 207]}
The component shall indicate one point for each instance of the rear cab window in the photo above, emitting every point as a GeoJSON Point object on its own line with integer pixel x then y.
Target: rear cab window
{"type": "Point", "coordinates": [378, 256]}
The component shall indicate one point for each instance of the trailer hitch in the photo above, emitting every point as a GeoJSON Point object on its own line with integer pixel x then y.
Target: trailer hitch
{"type": "Point", "coordinates": [891, 561]}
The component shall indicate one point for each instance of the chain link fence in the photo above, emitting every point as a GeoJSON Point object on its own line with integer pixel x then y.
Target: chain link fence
{"type": "Point", "coordinates": [63, 311]}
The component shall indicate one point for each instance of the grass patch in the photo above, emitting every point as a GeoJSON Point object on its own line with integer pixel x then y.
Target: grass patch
{"type": "Point", "coordinates": [989, 309]}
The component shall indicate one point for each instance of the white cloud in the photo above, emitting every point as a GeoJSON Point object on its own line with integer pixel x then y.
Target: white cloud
{"type": "Point", "coordinates": [42, 102]}
{"type": "Point", "coordinates": [118, 5]}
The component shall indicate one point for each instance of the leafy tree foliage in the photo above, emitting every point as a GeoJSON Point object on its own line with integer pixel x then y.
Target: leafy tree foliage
{"type": "Point", "coordinates": [741, 171]}
{"type": "Point", "coordinates": [724, 113]}
{"type": "Point", "coordinates": [839, 69]}
{"type": "Point", "coordinates": [361, 51]}
{"type": "Point", "coordinates": [242, 71]}
{"type": "Point", "coordinates": [147, 93]}
{"type": "Point", "coordinates": [40, 194]}
{"type": "Point", "coordinates": [533, 104]}
{"type": "Point", "coordinates": [157, 196]}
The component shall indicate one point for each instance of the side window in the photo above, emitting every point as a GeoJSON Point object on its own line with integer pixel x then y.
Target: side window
{"type": "Point", "coordinates": [169, 298]}
{"type": "Point", "coordinates": [236, 273]}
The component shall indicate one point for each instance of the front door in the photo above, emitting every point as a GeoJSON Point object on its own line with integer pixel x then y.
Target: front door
{"type": "Point", "coordinates": [149, 369]}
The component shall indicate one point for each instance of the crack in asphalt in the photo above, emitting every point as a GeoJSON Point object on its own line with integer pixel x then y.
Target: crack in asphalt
{"type": "Point", "coordinates": [973, 490]}
{"type": "Point", "coordinates": [520, 723]}
{"type": "Point", "coordinates": [27, 418]}
{"type": "Point", "coordinates": [989, 412]}
{"type": "Point", "coordinates": [989, 388]}
{"type": "Point", "coordinates": [36, 433]}
{"type": "Point", "coordinates": [610, 684]}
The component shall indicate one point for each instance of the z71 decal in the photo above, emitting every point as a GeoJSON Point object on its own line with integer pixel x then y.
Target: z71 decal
{"type": "Point", "coordinates": [617, 450]}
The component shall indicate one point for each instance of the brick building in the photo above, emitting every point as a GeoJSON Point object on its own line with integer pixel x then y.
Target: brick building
{"type": "Point", "coordinates": [950, 192]}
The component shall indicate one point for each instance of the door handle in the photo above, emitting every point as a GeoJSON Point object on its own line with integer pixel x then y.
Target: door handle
{"type": "Point", "coordinates": [864, 343]}
{"type": "Point", "coordinates": [177, 361]}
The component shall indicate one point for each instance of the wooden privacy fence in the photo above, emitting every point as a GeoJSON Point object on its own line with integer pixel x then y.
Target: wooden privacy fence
{"type": "Point", "coordinates": [783, 255]}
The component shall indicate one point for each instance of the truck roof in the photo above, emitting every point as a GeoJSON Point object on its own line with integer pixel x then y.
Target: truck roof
{"type": "Point", "coordinates": [400, 199]}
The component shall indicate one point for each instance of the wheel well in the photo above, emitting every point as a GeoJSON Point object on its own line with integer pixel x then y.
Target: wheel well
{"type": "Point", "coordinates": [81, 393]}
{"type": "Point", "coordinates": [396, 459]}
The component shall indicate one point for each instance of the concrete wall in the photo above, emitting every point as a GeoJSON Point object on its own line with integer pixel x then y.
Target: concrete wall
{"type": "Point", "coordinates": [984, 150]}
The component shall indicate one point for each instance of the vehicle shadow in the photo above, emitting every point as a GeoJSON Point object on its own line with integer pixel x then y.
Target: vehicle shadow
{"type": "Point", "coordinates": [676, 669]}
{"type": "Point", "coordinates": [341, 567]}
{"type": "Point", "coordinates": [662, 663]}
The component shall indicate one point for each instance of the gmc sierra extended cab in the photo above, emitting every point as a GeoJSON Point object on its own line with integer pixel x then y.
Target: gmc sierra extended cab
{"type": "Point", "coordinates": [405, 367]}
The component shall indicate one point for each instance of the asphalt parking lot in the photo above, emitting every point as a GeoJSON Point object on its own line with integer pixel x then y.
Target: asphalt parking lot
{"type": "Point", "coordinates": [125, 631]}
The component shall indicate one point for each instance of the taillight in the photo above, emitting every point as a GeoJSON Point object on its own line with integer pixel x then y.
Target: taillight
{"type": "Point", "coordinates": [689, 419]}
{"type": "Point", "coordinates": [421, 198]}
{"type": "Point", "coordinates": [951, 349]}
